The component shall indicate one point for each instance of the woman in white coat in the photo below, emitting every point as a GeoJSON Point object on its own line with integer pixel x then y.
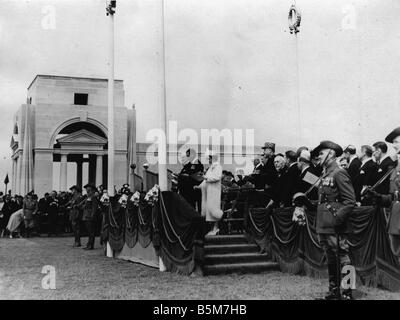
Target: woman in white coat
{"type": "Point", "coordinates": [211, 192]}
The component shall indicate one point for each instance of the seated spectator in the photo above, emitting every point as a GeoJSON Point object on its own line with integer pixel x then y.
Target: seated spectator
{"type": "Point", "coordinates": [15, 223]}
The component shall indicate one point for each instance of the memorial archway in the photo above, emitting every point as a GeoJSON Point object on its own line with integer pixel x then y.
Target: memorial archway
{"type": "Point", "coordinates": [83, 143]}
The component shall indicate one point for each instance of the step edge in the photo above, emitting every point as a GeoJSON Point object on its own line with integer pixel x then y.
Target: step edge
{"type": "Point", "coordinates": [236, 254]}
{"type": "Point", "coordinates": [230, 245]}
{"type": "Point", "coordinates": [243, 264]}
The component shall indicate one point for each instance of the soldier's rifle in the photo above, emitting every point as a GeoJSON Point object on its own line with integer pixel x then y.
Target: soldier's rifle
{"type": "Point", "coordinates": [378, 183]}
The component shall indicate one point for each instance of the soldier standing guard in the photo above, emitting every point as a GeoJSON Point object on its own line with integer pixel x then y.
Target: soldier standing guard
{"type": "Point", "coordinates": [90, 207]}
{"type": "Point", "coordinates": [75, 215]}
{"type": "Point", "coordinates": [336, 202]}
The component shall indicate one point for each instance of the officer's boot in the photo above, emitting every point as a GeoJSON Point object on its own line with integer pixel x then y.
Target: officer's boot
{"type": "Point", "coordinates": [333, 285]}
{"type": "Point", "coordinates": [347, 294]}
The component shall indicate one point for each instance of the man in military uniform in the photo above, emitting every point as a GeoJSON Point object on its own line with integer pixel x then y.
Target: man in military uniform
{"type": "Point", "coordinates": [75, 213]}
{"type": "Point", "coordinates": [90, 207]}
{"type": "Point", "coordinates": [336, 203]}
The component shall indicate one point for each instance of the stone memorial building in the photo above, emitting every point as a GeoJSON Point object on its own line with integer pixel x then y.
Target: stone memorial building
{"type": "Point", "coordinates": [65, 121]}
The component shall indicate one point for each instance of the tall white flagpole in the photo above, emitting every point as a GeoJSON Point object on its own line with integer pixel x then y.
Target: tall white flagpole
{"type": "Point", "coordinates": [162, 146]}
{"type": "Point", "coordinates": [110, 168]}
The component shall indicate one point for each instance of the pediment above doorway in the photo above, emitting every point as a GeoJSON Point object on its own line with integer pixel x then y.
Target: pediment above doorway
{"type": "Point", "coordinates": [82, 139]}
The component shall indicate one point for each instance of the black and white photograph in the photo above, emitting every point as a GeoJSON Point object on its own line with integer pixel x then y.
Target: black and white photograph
{"type": "Point", "coordinates": [199, 154]}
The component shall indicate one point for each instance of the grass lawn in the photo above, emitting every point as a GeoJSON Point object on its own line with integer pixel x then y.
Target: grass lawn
{"type": "Point", "coordinates": [84, 274]}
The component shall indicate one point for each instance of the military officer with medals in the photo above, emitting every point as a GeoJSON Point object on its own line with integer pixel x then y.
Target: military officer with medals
{"type": "Point", "coordinates": [335, 205]}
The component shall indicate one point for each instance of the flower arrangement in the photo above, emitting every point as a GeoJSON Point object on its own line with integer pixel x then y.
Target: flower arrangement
{"type": "Point", "coordinates": [299, 215]}
{"type": "Point", "coordinates": [123, 200]}
{"type": "Point", "coordinates": [105, 199]}
{"type": "Point", "coordinates": [135, 198]}
{"type": "Point", "coordinates": [152, 196]}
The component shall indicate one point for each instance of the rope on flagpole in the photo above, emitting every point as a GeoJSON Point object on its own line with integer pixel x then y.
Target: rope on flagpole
{"type": "Point", "coordinates": [294, 19]}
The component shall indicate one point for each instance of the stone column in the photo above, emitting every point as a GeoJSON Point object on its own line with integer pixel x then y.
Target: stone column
{"type": "Point", "coordinates": [19, 174]}
{"type": "Point", "coordinates": [79, 173]}
{"type": "Point", "coordinates": [43, 172]}
{"type": "Point", "coordinates": [99, 170]}
{"type": "Point", "coordinates": [92, 168]}
{"type": "Point", "coordinates": [63, 172]}
{"type": "Point", "coordinates": [14, 166]}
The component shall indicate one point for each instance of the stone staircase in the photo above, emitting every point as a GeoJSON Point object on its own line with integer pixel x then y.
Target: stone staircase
{"type": "Point", "coordinates": [233, 254]}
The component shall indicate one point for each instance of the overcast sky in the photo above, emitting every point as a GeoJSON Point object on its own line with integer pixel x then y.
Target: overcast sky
{"type": "Point", "coordinates": [229, 63]}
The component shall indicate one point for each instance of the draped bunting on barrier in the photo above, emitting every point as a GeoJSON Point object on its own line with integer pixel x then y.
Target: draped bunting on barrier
{"type": "Point", "coordinates": [181, 231]}
{"type": "Point", "coordinates": [131, 225]}
{"type": "Point", "coordinates": [144, 214]}
{"type": "Point", "coordinates": [171, 224]}
{"type": "Point", "coordinates": [116, 217]}
{"type": "Point", "coordinates": [297, 250]}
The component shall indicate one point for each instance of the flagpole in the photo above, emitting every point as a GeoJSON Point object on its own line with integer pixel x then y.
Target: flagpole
{"type": "Point", "coordinates": [110, 167]}
{"type": "Point", "coordinates": [162, 146]}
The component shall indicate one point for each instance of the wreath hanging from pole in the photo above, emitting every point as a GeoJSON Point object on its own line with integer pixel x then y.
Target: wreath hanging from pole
{"type": "Point", "coordinates": [294, 19]}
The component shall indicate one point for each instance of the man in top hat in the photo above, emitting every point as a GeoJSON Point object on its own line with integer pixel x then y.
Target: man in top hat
{"type": "Point", "coordinates": [90, 206]}
{"type": "Point", "coordinates": [268, 168]}
{"type": "Point", "coordinates": [189, 177]}
{"type": "Point", "coordinates": [75, 213]}
{"type": "Point", "coordinates": [391, 199]}
{"type": "Point", "coordinates": [336, 203]}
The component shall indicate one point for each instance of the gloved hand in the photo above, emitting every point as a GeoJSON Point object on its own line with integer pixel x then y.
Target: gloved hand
{"type": "Point", "coordinates": [375, 196]}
